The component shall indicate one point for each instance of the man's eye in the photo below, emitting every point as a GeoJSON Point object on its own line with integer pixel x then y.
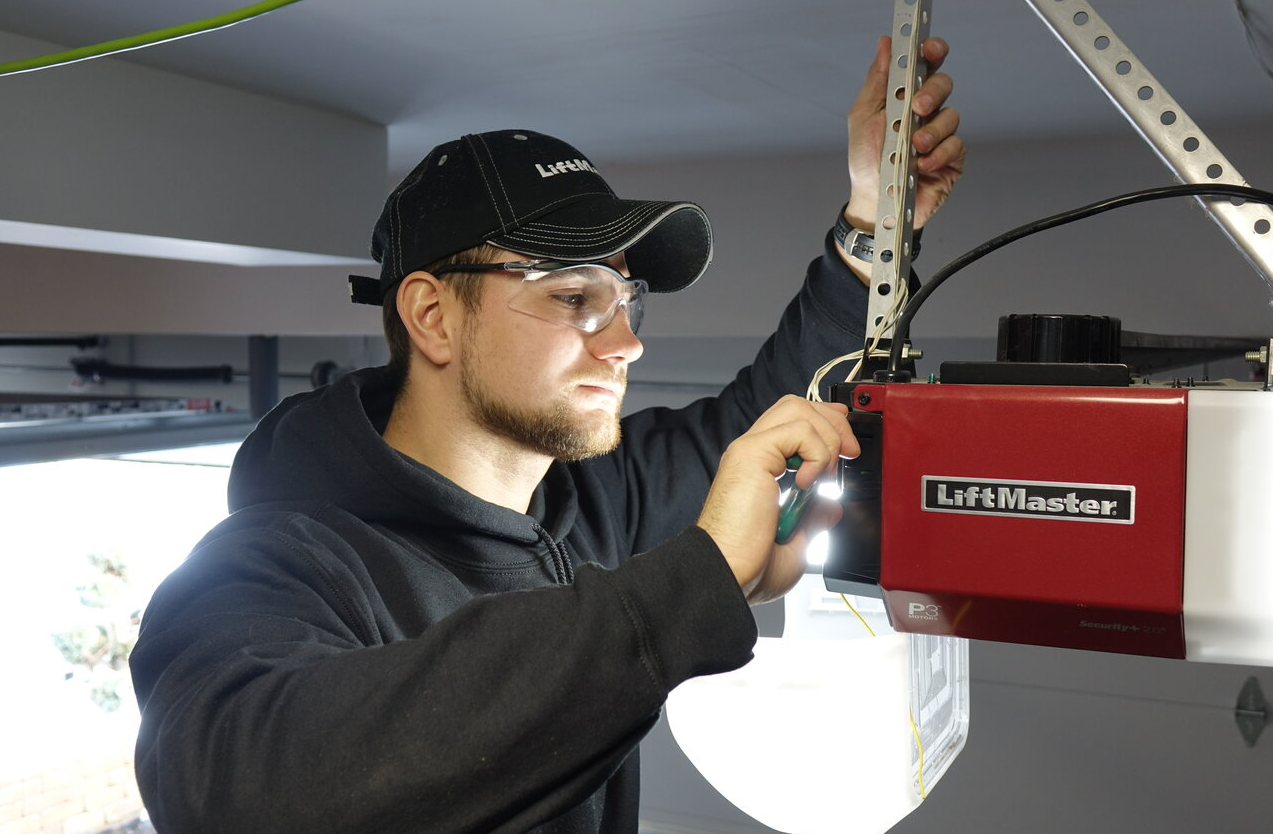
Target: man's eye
{"type": "Point", "coordinates": [574, 300]}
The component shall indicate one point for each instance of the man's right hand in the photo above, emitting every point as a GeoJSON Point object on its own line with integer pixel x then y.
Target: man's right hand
{"type": "Point", "coordinates": [741, 511]}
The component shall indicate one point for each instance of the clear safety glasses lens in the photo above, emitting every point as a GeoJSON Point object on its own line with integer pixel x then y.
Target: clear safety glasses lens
{"type": "Point", "coordinates": [584, 296]}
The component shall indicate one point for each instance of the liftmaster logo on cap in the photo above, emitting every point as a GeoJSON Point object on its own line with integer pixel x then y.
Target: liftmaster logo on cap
{"type": "Point", "coordinates": [1107, 503]}
{"type": "Point", "coordinates": [564, 167]}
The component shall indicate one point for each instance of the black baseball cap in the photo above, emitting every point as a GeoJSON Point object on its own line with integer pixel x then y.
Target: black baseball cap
{"type": "Point", "coordinates": [535, 195]}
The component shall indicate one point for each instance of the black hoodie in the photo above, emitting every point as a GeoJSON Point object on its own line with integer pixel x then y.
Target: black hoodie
{"type": "Point", "coordinates": [363, 646]}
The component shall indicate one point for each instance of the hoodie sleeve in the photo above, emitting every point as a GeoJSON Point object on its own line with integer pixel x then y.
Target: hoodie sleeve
{"type": "Point", "coordinates": [275, 699]}
{"type": "Point", "coordinates": [668, 457]}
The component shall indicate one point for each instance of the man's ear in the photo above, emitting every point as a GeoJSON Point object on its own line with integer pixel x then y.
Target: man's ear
{"type": "Point", "coordinates": [431, 315]}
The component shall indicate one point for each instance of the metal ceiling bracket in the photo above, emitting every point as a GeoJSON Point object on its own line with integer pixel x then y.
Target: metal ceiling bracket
{"type": "Point", "coordinates": [1163, 123]}
{"type": "Point", "coordinates": [1251, 712]}
{"type": "Point", "coordinates": [895, 218]}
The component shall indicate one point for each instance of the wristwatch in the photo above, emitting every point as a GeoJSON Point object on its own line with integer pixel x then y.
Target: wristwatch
{"type": "Point", "coordinates": [860, 244]}
{"type": "Point", "coordinates": [857, 243]}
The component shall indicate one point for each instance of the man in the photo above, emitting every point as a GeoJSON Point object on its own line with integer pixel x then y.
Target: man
{"type": "Point", "coordinates": [427, 612]}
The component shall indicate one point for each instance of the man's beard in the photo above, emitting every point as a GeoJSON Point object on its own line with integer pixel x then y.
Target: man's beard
{"type": "Point", "coordinates": [555, 430]}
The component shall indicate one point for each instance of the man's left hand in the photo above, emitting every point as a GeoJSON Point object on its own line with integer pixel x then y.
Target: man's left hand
{"type": "Point", "coordinates": [941, 152]}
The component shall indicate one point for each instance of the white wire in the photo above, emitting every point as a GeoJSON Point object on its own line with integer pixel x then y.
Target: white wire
{"type": "Point", "coordinates": [814, 393]}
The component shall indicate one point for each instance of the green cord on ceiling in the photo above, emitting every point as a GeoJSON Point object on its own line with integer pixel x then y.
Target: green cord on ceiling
{"type": "Point", "coordinates": [138, 41]}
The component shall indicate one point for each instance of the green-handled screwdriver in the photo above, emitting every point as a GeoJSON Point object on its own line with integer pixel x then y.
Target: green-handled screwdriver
{"type": "Point", "coordinates": [794, 507]}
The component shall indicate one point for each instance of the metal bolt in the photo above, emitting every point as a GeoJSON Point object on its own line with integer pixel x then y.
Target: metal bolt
{"type": "Point", "coordinates": [864, 398]}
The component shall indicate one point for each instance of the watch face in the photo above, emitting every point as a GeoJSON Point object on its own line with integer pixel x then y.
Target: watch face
{"type": "Point", "coordinates": [861, 245]}
{"type": "Point", "coordinates": [855, 242]}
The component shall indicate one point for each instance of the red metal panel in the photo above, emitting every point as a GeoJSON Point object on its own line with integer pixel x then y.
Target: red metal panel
{"type": "Point", "coordinates": [1094, 562]}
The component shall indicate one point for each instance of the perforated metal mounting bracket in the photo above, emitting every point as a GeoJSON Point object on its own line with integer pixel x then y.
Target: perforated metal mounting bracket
{"type": "Point", "coordinates": [1161, 122]}
{"type": "Point", "coordinates": [895, 217]}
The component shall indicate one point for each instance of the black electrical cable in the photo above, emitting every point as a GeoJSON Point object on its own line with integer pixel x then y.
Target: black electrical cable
{"type": "Point", "coordinates": [902, 329]}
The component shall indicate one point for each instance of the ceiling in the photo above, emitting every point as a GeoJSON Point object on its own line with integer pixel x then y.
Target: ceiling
{"type": "Point", "coordinates": [639, 81]}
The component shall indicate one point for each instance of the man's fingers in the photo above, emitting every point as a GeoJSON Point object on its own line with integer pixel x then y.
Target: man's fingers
{"type": "Point", "coordinates": [826, 421]}
{"type": "Point", "coordinates": [938, 129]}
{"type": "Point", "coordinates": [949, 155]}
{"type": "Point", "coordinates": [935, 51]}
{"type": "Point", "coordinates": [930, 97]}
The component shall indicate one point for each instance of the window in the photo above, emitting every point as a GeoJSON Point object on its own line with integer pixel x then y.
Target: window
{"type": "Point", "coordinates": [83, 543]}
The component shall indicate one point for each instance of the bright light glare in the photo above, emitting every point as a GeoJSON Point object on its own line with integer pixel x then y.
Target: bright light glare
{"type": "Point", "coordinates": [819, 546]}
{"type": "Point", "coordinates": [829, 489]}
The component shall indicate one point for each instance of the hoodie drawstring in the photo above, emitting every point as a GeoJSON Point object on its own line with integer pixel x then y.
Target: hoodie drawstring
{"type": "Point", "coordinates": [564, 571]}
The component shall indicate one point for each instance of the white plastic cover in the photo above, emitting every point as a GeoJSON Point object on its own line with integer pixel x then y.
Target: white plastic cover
{"type": "Point", "coordinates": [1229, 527]}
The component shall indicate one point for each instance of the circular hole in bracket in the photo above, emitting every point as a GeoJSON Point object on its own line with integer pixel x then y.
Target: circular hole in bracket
{"type": "Point", "coordinates": [887, 256]}
{"type": "Point", "coordinates": [1190, 144]}
{"type": "Point", "coordinates": [884, 289]}
{"type": "Point", "coordinates": [1145, 93]}
{"type": "Point", "coordinates": [878, 320]}
{"type": "Point", "coordinates": [906, 30]}
{"type": "Point", "coordinates": [903, 60]}
{"type": "Point", "coordinates": [897, 125]}
{"type": "Point", "coordinates": [1101, 43]}
{"type": "Point", "coordinates": [1237, 201]}
{"type": "Point", "coordinates": [1168, 117]}
{"type": "Point", "coordinates": [1080, 18]}
{"type": "Point", "coordinates": [1123, 67]}
{"type": "Point", "coordinates": [1214, 170]}
{"type": "Point", "coordinates": [899, 93]}
{"type": "Point", "coordinates": [1261, 227]}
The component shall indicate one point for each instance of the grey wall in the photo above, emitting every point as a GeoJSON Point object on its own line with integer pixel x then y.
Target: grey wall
{"type": "Point", "coordinates": [123, 148]}
{"type": "Point", "coordinates": [1161, 267]}
{"type": "Point", "coordinates": [142, 161]}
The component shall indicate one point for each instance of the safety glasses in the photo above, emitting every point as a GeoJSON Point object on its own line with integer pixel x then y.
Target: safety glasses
{"type": "Point", "coordinates": [584, 296]}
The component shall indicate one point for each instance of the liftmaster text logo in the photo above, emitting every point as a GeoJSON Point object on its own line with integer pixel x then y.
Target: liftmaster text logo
{"type": "Point", "coordinates": [1107, 503]}
{"type": "Point", "coordinates": [564, 167]}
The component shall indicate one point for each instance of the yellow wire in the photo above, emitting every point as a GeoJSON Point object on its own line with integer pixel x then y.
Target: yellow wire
{"type": "Point", "coordinates": [919, 772]}
{"type": "Point", "coordinates": [919, 744]}
{"type": "Point", "coordinates": [869, 630]}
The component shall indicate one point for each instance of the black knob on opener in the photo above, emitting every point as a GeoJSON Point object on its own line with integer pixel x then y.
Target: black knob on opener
{"type": "Point", "coordinates": [1035, 337]}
